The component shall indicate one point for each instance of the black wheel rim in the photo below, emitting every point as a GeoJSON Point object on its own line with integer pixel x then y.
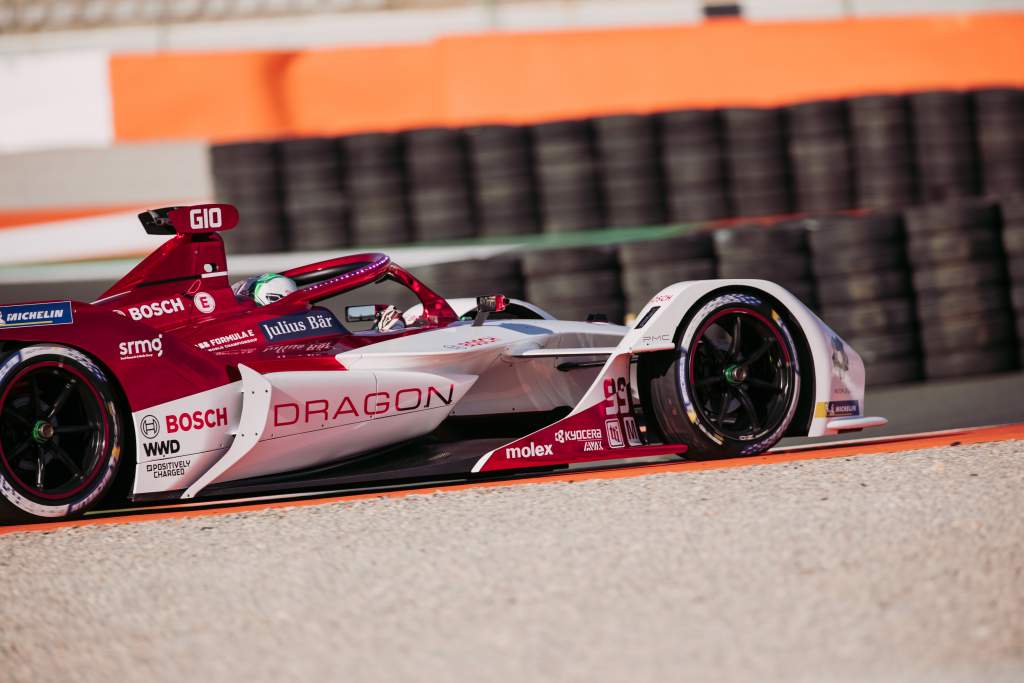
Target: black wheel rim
{"type": "Point", "coordinates": [53, 430]}
{"type": "Point", "coordinates": [741, 374]}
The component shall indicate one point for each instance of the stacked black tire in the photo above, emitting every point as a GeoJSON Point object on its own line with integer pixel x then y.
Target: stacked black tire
{"type": "Point", "coordinates": [651, 265]}
{"type": "Point", "coordinates": [473, 278]}
{"type": "Point", "coordinates": [963, 304]}
{"type": "Point", "coordinates": [694, 167]}
{"type": "Point", "coordinates": [565, 166]}
{"type": "Point", "coordinates": [246, 175]}
{"type": "Point", "coordinates": [314, 200]}
{"type": "Point", "coordinates": [574, 283]}
{"type": "Point", "coordinates": [1013, 243]}
{"type": "Point", "coordinates": [1000, 133]}
{"type": "Point", "coordinates": [375, 187]}
{"type": "Point", "coordinates": [758, 162]}
{"type": "Point", "coordinates": [865, 292]}
{"type": "Point", "coordinates": [440, 202]}
{"type": "Point", "coordinates": [499, 158]}
{"type": "Point", "coordinates": [769, 252]}
{"type": "Point", "coordinates": [944, 145]}
{"type": "Point", "coordinates": [883, 151]}
{"type": "Point", "coordinates": [819, 153]}
{"type": "Point", "coordinates": [627, 149]}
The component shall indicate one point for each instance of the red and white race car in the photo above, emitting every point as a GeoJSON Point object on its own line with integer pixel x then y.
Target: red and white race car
{"type": "Point", "coordinates": [178, 386]}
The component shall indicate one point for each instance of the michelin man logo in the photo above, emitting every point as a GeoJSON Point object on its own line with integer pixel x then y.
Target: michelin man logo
{"type": "Point", "coordinates": [840, 361]}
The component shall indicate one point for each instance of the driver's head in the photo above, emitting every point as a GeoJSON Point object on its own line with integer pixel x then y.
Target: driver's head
{"type": "Point", "coordinates": [271, 287]}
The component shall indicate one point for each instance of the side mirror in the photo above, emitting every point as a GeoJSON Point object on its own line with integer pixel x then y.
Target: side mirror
{"type": "Point", "coordinates": [485, 305]}
{"type": "Point", "coordinates": [362, 314]}
{"type": "Point", "coordinates": [496, 303]}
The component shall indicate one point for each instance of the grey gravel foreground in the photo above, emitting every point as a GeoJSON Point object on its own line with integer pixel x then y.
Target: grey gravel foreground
{"type": "Point", "coordinates": [903, 567]}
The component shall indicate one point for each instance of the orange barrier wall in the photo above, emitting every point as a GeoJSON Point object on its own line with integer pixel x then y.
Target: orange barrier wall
{"type": "Point", "coordinates": [520, 78]}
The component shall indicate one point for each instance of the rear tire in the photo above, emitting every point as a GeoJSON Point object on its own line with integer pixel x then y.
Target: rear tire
{"type": "Point", "coordinates": [723, 396]}
{"type": "Point", "coordinates": [60, 434]}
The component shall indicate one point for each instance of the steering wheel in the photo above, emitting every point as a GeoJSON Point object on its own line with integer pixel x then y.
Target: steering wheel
{"type": "Point", "coordinates": [329, 278]}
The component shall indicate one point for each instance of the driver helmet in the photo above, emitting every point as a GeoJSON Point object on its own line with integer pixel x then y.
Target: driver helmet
{"type": "Point", "coordinates": [271, 287]}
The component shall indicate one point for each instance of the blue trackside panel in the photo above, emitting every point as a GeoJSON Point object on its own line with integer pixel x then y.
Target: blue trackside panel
{"type": "Point", "coordinates": [36, 315]}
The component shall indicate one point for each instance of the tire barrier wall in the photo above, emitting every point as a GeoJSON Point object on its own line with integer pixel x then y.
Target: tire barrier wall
{"type": "Point", "coordinates": [881, 151]}
{"type": "Point", "coordinates": [959, 273]}
{"type": "Point", "coordinates": [1013, 244]}
{"type": "Point", "coordinates": [574, 283]}
{"type": "Point", "coordinates": [933, 292]}
{"type": "Point", "coordinates": [865, 289]}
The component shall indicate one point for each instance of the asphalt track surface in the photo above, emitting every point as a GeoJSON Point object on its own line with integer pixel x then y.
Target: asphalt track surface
{"type": "Point", "coordinates": [895, 561]}
{"type": "Point", "coordinates": [898, 560]}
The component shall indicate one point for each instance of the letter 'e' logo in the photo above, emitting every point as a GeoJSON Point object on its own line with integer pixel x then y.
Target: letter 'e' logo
{"type": "Point", "coordinates": [205, 219]}
{"type": "Point", "coordinates": [204, 302]}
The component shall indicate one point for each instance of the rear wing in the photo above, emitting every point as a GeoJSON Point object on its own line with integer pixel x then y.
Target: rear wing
{"type": "Point", "coordinates": [194, 254]}
{"type": "Point", "coordinates": [189, 220]}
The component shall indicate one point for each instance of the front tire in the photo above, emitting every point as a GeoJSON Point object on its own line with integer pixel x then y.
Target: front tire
{"type": "Point", "coordinates": [732, 386]}
{"type": "Point", "coordinates": [60, 434]}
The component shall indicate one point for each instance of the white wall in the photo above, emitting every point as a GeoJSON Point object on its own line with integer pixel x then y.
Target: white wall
{"type": "Point", "coordinates": [787, 10]}
{"type": "Point", "coordinates": [361, 27]}
{"type": "Point", "coordinates": [388, 26]}
{"type": "Point", "coordinates": [145, 174]}
{"type": "Point", "coordinates": [55, 99]}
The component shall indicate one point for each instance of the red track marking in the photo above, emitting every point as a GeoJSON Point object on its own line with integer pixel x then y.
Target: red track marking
{"type": "Point", "coordinates": [865, 447]}
{"type": "Point", "coordinates": [17, 218]}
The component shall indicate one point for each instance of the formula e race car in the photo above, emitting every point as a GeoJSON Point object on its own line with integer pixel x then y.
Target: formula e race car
{"type": "Point", "coordinates": [174, 385]}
